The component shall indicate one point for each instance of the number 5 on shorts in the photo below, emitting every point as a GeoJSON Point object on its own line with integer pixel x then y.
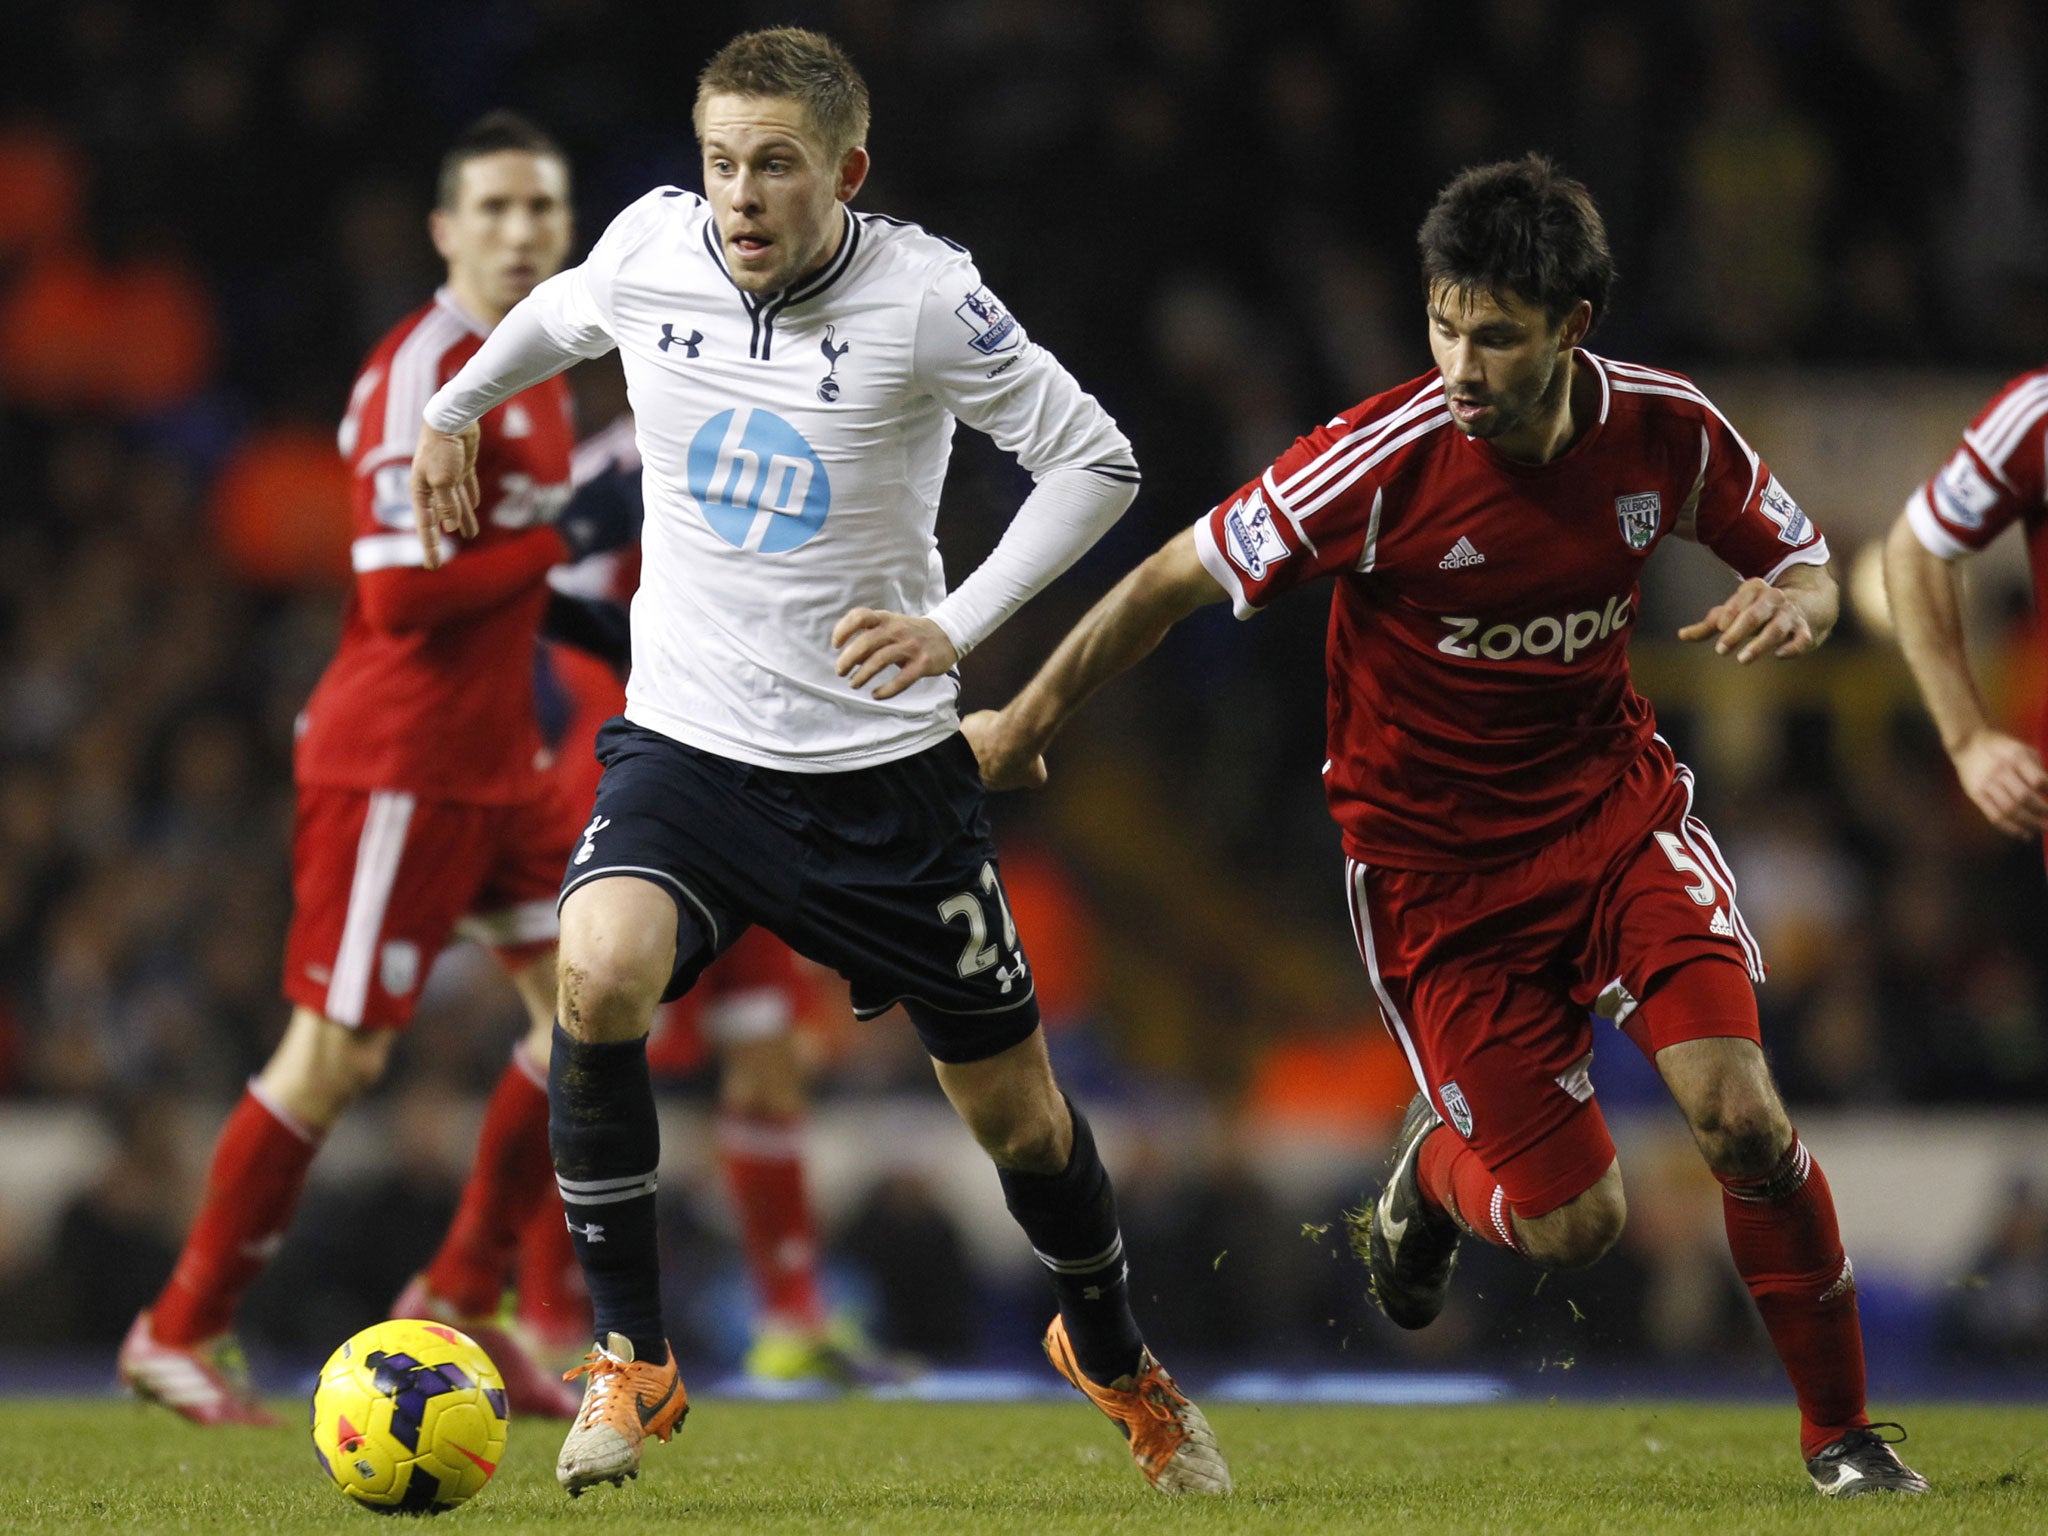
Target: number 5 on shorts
{"type": "Point", "coordinates": [979, 954]}
{"type": "Point", "coordinates": [1705, 892]}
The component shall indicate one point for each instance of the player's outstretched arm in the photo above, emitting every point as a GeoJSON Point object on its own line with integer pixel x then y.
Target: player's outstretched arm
{"type": "Point", "coordinates": [2002, 775]}
{"type": "Point", "coordinates": [552, 327]}
{"type": "Point", "coordinates": [1114, 636]}
{"type": "Point", "coordinates": [1785, 619]}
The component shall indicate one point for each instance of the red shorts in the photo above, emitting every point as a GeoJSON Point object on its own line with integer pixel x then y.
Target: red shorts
{"type": "Point", "coordinates": [381, 881]}
{"type": "Point", "coordinates": [756, 990]}
{"type": "Point", "coordinates": [1491, 978]}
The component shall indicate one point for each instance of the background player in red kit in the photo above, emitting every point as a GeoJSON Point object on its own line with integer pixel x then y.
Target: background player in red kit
{"type": "Point", "coordinates": [427, 808]}
{"type": "Point", "coordinates": [1998, 476]}
{"type": "Point", "coordinates": [1520, 844]}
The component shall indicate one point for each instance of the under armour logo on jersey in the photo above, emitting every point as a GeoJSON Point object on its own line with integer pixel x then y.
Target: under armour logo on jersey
{"type": "Point", "coordinates": [597, 825]}
{"type": "Point", "coordinates": [828, 386]}
{"type": "Point", "coordinates": [590, 1231]}
{"type": "Point", "coordinates": [689, 343]}
{"type": "Point", "coordinates": [1461, 555]}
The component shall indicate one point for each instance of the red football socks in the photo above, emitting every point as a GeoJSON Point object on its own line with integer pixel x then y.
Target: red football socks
{"type": "Point", "coordinates": [511, 1174]}
{"type": "Point", "coordinates": [762, 1158]}
{"type": "Point", "coordinates": [1788, 1249]}
{"type": "Point", "coordinates": [252, 1189]}
{"type": "Point", "coordinates": [553, 1300]}
{"type": "Point", "coordinates": [1457, 1182]}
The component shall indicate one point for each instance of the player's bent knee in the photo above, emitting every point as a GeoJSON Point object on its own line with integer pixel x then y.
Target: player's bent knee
{"type": "Point", "coordinates": [602, 998]}
{"type": "Point", "coordinates": [321, 1067]}
{"type": "Point", "coordinates": [618, 948]}
{"type": "Point", "coordinates": [762, 1077]}
{"type": "Point", "coordinates": [1737, 1119]}
{"type": "Point", "coordinates": [1744, 1140]}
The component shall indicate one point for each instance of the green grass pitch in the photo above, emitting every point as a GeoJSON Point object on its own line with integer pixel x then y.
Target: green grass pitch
{"type": "Point", "coordinates": [70, 1466]}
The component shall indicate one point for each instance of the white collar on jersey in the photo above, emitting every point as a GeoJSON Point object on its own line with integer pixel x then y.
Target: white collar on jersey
{"type": "Point", "coordinates": [796, 293]}
{"type": "Point", "coordinates": [445, 297]}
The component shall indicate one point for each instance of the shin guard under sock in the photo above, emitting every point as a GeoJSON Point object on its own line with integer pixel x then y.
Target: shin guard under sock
{"type": "Point", "coordinates": [1070, 1218]}
{"type": "Point", "coordinates": [1788, 1250]}
{"type": "Point", "coordinates": [607, 1143]}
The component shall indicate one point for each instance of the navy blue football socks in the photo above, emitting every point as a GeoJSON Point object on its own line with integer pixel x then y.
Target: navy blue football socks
{"type": "Point", "coordinates": [1070, 1218]}
{"type": "Point", "coordinates": [607, 1142]}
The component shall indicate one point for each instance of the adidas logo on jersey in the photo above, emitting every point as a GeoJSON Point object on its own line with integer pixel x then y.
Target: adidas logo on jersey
{"type": "Point", "coordinates": [1720, 925]}
{"type": "Point", "coordinates": [1461, 555]}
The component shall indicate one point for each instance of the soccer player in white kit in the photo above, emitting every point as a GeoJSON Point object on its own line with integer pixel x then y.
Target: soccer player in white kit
{"type": "Point", "coordinates": [795, 370]}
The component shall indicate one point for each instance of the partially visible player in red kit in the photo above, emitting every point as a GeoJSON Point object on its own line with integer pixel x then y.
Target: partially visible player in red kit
{"type": "Point", "coordinates": [428, 808]}
{"type": "Point", "coordinates": [1521, 849]}
{"type": "Point", "coordinates": [1997, 477]}
{"type": "Point", "coordinates": [747, 1011]}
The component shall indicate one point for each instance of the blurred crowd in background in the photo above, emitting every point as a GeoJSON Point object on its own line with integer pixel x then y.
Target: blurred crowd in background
{"type": "Point", "coordinates": [210, 211]}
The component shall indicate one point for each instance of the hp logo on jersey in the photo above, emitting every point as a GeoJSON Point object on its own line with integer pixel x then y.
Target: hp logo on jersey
{"type": "Point", "coordinates": [762, 486]}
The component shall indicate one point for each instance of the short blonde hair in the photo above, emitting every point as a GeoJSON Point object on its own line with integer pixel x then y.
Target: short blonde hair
{"type": "Point", "coordinates": [797, 63]}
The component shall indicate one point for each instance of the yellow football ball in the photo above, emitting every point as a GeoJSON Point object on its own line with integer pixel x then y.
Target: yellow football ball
{"type": "Point", "coordinates": [409, 1416]}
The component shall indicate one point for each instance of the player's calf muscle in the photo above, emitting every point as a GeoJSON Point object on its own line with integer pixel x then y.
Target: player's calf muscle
{"type": "Point", "coordinates": [1580, 1231]}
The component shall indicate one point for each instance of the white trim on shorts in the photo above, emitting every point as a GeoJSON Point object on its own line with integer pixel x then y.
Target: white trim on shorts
{"type": "Point", "coordinates": [1694, 834]}
{"type": "Point", "coordinates": [528, 922]}
{"type": "Point", "coordinates": [748, 1014]}
{"type": "Point", "coordinates": [1361, 933]}
{"type": "Point", "coordinates": [876, 1010]}
{"type": "Point", "coordinates": [710, 922]}
{"type": "Point", "coordinates": [378, 853]}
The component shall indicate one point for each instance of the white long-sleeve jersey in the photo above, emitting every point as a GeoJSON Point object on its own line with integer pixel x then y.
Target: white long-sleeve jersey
{"type": "Point", "coordinates": [794, 447]}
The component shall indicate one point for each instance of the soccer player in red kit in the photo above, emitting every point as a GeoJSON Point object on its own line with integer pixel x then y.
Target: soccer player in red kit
{"type": "Point", "coordinates": [1997, 477]}
{"type": "Point", "coordinates": [428, 808]}
{"type": "Point", "coordinates": [1520, 846]}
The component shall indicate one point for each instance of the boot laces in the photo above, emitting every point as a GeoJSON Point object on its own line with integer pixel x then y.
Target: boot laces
{"type": "Point", "coordinates": [605, 1371]}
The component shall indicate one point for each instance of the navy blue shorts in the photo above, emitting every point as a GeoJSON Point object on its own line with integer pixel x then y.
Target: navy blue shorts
{"type": "Point", "coordinates": [885, 874]}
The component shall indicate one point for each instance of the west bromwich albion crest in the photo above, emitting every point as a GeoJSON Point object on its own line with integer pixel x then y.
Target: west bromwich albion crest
{"type": "Point", "coordinates": [1455, 1106]}
{"type": "Point", "coordinates": [1638, 516]}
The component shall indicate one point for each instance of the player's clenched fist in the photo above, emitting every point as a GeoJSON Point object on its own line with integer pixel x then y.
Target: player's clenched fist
{"type": "Point", "coordinates": [1759, 620]}
{"type": "Point", "coordinates": [1005, 762]}
{"type": "Point", "coordinates": [870, 639]}
{"type": "Point", "coordinates": [444, 487]}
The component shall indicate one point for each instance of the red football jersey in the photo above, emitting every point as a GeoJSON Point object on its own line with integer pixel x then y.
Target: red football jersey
{"type": "Point", "coordinates": [1478, 662]}
{"type": "Point", "coordinates": [431, 692]}
{"type": "Point", "coordinates": [1997, 477]}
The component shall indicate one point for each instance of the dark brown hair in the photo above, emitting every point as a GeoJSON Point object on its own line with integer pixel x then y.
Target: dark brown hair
{"type": "Point", "coordinates": [491, 134]}
{"type": "Point", "coordinates": [1518, 227]}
